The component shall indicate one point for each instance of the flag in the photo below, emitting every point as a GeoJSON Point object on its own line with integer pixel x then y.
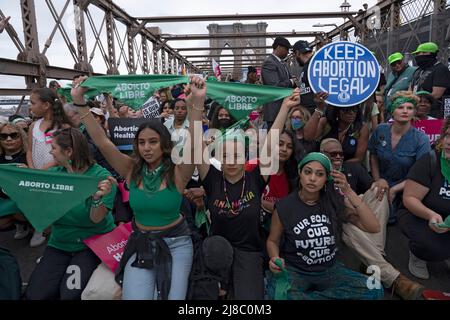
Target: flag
{"type": "Point", "coordinates": [216, 69]}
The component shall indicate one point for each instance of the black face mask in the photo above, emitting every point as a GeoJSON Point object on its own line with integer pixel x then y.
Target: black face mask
{"type": "Point", "coordinates": [224, 123]}
{"type": "Point", "coordinates": [424, 62]}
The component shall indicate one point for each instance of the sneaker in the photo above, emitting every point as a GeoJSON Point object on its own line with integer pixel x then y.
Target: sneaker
{"type": "Point", "coordinates": [407, 289]}
{"type": "Point", "coordinates": [37, 239]}
{"type": "Point", "coordinates": [22, 231]}
{"type": "Point", "coordinates": [418, 267]}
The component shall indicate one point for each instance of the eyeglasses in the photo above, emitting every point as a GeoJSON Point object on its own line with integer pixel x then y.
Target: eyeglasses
{"type": "Point", "coordinates": [13, 135]}
{"type": "Point", "coordinates": [348, 110]}
{"type": "Point", "coordinates": [334, 154]}
{"type": "Point", "coordinates": [395, 63]}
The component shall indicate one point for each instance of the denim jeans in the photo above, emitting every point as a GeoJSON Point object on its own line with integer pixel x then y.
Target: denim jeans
{"type": "Point", "coordinates": [140, 284]}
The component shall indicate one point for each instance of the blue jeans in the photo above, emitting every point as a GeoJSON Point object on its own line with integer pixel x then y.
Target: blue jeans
{"type": "Point", "coordinates": [140, 284]}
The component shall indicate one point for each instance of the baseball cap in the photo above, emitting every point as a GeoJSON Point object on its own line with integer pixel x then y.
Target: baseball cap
{"type": "Point", "coordinates": [396, 56]}
{"type": "Point", "coordinates": [427, 47]}
{"type": "Point", "coordinates": [302, 46]}
{"type": "Point", "coordinates": [281, 41]}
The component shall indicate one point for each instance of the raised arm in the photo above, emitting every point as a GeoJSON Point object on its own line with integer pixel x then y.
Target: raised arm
{"type": "Point", "coordinates": [315, 125]}
{"type": "Point", "coordinates": [195, 102]}
{"type": "Point", "coordinates": [277, 127]}
{"type": "Point", "coordinates": [119, 161]}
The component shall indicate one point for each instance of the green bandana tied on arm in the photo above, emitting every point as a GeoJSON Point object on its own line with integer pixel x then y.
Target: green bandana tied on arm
{"type": "Point", "coordinates": [282, 284]}
{"type": "Point", "coordinates": [44, 197]}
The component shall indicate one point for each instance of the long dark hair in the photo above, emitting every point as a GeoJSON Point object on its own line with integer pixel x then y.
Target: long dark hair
{"type": "Point", "coordinates": [74, 139]}
{"type": "Point", "coordinates": [215, 120]}
{"type": "Point", "coordinates": [331, 203]}
{"type": "Point", "coordinates": [59, 117]}
{"type": "Point", "coordinates": [166, 146]}
{"type": "Point", "coordinates": [290, 166]}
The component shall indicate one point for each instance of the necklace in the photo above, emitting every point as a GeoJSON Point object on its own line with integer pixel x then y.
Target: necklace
{"type": "Point", "coordinates": [308, 202]}
{"type": "Point", "coordinates": [234, 212]}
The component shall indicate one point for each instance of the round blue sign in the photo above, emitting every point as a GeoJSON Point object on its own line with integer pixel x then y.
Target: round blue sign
{"type": "Point", "coordinates": [348, 71]}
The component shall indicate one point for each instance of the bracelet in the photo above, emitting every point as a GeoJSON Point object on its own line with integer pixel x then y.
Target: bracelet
{"type": "Point", "coordinates": [96, 203]}
{"type": "Point", "coordinates": [84, 115]}
{"type": "Point", "coordinates": [193, 107]}
{"type": "Point", "coordinates": [319, 112]}
{"type": "Point", "coordinates": [80, 105]}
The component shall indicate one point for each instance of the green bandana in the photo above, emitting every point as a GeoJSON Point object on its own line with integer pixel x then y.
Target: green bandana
{"type": "Point", "coordinates": [44, 197]}
{"type": "Point", "coordinates": [241, 98]}
{"type": "Point", "coordinates": [200, 219]}
{"type": "Point", "coordinates": [445, 224]}
{"type": "Point", "coordinates": [151, 180]}
{"type": "Point", "coordinates": [282, 284]}
{"type": "Point", "coordinates": [401, 100]}
{"type": "Point", "coordinates": [65, 92]}
{"type": "Point", "coordinates": [133, 90]}
{"type": "Point", "coordinates": [445, 166]}
{"type": "Point", "coordinates": [319, 157]}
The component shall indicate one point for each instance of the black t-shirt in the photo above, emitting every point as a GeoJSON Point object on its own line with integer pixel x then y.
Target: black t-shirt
{"type": "Point", "coordinates": [242, 229]}
{"type": "Point", "coordinates": [20, 157]}
{"type": "Point", "coordinates": [306, 93]}
{"type": "Point", "coordinates": [437, 75]}
{"type": "Point", "coordinates": [438, 198]}
{"type": "Point", "coordinates": [350, 142]}
{"type": "Point", "coordinates": [309, 234]}
{"type": "Point", "coordinates": [358, 177]}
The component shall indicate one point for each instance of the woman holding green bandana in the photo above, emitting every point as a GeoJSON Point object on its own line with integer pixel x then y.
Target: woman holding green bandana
{"type": "Point", "coordinates": [158, 257]}
{"type": "Point", "coordinates": [66, 254]}
{"type": "Point", "coordinates": [395, 147]}
{"type": "Point", "coordinates": [234, 202]}
{"type": "Point", "coordinates": [424, 217]}
{"type": "Point", "coordinates": [310, 222]}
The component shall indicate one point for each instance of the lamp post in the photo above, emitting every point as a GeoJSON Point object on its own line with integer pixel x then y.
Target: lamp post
{"type": "Point", "coordinates": [342, 37]}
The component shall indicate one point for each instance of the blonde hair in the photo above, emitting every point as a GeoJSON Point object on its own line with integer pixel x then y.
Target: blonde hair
{"type": "Point", "coordinates": [304, 112]}
{"type": "Point", "coordinates": [22, 133]}
{"type": "Point", "coordinates": [406, 94]}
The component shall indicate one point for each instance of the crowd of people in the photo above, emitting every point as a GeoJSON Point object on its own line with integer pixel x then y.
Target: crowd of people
{"type": "Point", "coordinates": [225, 229]}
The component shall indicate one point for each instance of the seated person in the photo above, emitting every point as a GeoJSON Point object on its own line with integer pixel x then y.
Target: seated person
{"type": "Point", "coordinates": [310, 220]}
{"type": "Point", "coordinates": [426, 203]}
{"type": "Point", "coordinates": [369, 246]}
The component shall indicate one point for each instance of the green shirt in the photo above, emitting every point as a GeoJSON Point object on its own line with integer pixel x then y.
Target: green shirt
{"type": "Point", "coordinates": [76, 225]}
{"type": "Point", "coordinates": [397, 83]}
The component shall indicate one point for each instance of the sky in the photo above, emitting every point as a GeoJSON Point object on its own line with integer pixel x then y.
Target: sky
{"type": "Point", "coordinates": [59, 55]}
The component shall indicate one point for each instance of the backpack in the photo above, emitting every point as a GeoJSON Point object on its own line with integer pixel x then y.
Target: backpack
{"type": "Point", "coordinates": [203, 285]}
{"type": "Point", "coordinates": [10, 280]}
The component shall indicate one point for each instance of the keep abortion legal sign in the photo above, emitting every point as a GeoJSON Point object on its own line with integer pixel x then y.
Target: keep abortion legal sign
{"type": "Point", "coordinates": [348, 71]}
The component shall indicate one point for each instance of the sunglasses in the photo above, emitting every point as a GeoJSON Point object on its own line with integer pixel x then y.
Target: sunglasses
{"type": "Point", "coordinates": [348, 110]}
{"type": "Point", "coordinates": [334, 154]}
{"type": "Point", "coordinates": [13, 135]}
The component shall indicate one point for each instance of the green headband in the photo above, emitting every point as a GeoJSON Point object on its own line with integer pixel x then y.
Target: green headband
{"type": "Point", "coordinates": [319, 157]}
{"type": "Point", "coordinates": [401, 100]}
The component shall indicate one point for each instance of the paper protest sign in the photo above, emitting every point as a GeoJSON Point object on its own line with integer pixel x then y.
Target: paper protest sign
{"type": "Point", "coordinates": [150, 109]}
{"type": "Point", "coordinates": [109, 247]}
{"type": "Point", "coordinates": [348, 71]}
{"type": "Point", "coordinates": [432, 128]}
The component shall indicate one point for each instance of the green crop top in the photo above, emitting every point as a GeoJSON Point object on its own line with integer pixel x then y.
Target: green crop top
{"type": "Point", "coordinates": [157, 210]}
